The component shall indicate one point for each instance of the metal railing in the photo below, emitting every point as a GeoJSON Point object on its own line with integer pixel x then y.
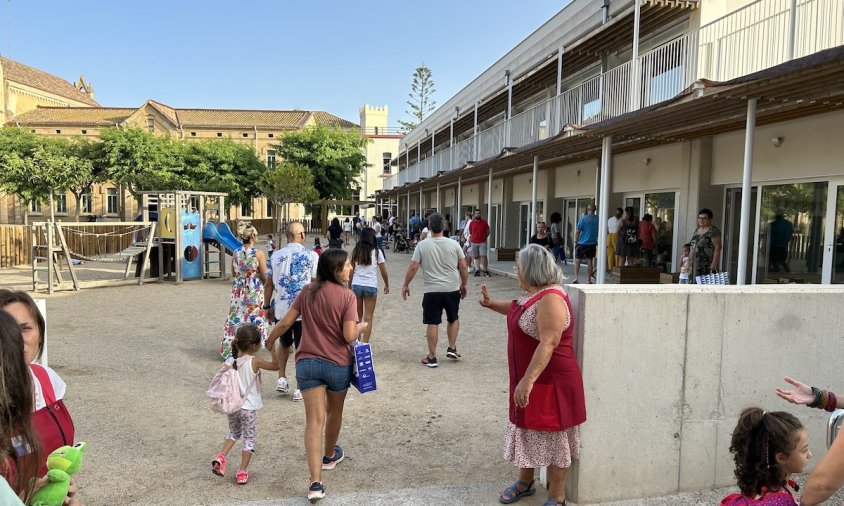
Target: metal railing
{"type": "Point", "coordinates": [758, 36]}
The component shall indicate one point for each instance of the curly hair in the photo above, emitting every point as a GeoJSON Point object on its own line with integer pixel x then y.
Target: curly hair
{"type": "Point", "coordinates": [756, 441]}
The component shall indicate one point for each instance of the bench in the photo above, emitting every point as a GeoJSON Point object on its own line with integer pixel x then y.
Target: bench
{"type": "Point", "coordinates": [636, 275]}
{"type": "Point", "coordinates": [505, 254]}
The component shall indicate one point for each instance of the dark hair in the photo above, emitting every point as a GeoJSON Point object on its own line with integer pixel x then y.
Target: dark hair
{"type": "Point", "coordinates": [630, 212]}
{"type": "Point", "coordinates": [16, 404]}
{"type": "Point", "coordinates": [245, 338]}
{"type": "Point", "coordinates": [706, 211]}
{"type": "Point", "coordinates": [10, 297]}
{"type": "Point", "coordinates": [620, 211]}
{"type": "Point", "coordinates": [756, 441]}
{"type": "Point", "coordinates": [647, 217]}
{"type": "Point", "coordinates": [335, 221]}
{"type": "Point", "coordinates": [688, 245]}
{"type": "Point", "coordinates": [436, 223]}
{"type": "Point", "coordinates": [362, 253]}
{"type": "Point", "coordinates": [330, 262]}
{"type": "Point", "coordinates": [316, 241]}
{"type": "Point", "coordinates": [556, 217]}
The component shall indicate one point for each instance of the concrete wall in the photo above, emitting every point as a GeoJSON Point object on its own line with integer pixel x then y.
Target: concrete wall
{"type": "Point", "coordinates": [667, 369]}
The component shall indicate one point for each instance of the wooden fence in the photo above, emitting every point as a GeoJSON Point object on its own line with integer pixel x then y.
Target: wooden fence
{"type": "Point", "coordinates": [15, 246]}
{"type": "Point", "coordinates": [273, 226]}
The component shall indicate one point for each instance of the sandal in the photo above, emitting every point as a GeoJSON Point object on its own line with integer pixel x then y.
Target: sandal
{"type": "Point", "coordinates": [553, 502]}
{"type": "Point", "coordinates": [218, 465]}
{"type": "Point", "coordinates": [512, 493]}
{"type": "Point", "coordinates": [242, 477]}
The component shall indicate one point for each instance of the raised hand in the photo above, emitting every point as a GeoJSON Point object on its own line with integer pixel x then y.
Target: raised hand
{"type": "Point", "coordinates": [485, 300]}
{"type": "Point", "coordinates": [802, 394]}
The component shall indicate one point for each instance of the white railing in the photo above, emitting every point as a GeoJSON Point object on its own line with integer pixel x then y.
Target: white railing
{"type": "Point", "coordinates": [756, 37]}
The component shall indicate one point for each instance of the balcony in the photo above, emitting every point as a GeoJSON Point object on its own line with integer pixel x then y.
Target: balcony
{"type": "Point", "coordinates": [758, 36]}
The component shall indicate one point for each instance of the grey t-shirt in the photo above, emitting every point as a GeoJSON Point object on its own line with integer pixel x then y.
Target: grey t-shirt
{"type": "Point", "coordinates": [438, 257]}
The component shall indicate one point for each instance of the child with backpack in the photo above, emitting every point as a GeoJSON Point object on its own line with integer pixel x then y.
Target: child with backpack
{"type": "Point", "coordinates": [243, 371]}
{"type": "Point", "coordinates": [768, 448]}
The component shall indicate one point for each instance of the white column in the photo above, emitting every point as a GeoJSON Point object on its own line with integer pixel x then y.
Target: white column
{"type": "Point", "coordinates": [559, 104]}
{"type": "Point", "coordinates": [509, 107]}
{"type": "Point", "coordinates": [532, 219]}
{"type": "Point", "coordinates": [475, 134]}
{"type": "Point", "coordinates": [439, 208]}
{"type": "Point", "coordinates": [747, 173]}
{"type": "Point", "coordinates": [489, 203]}
{"type": "Point", "coordinates": [603, 211]}
{"type": "Point", "coordinates": [421, 213]}
{"type": "Point", "coordinates": [459, 200]}
{"type": "Point", "coordinates": [451, 145]}
{"type": "Point", "coordinates": [792, 27]}
{"type": "Point", "coordinates": [634, 61]}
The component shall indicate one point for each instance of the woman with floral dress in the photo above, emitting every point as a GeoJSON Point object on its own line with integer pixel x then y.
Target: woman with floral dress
{"type": "Point", "coordinates": [546, 401]}
{"type": "Point", "coordinates": [249, 268]}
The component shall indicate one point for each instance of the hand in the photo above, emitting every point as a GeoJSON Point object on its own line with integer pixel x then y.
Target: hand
{"type": "Point", "coordinates": [463, 292]}
{"type": "Point", "coordinates": [270, 343]}
{"type": "Point", "coordinates": [405, 292]}
{"type": "Point", "coordinates": [361, 326]}
{"type": "Point", "coordinates": [485, 300]}
{"type": "Point", "coordinates": [522, 393]}
{"type": "Point", "coordinates": [386, 290]}
{"type": "Point", "coordinates": [802, 394]}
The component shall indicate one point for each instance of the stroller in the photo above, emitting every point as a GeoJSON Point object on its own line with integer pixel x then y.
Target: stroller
{"type": "Point", "coordinates": [400, 242]}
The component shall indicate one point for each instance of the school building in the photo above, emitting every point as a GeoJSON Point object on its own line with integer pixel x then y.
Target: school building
{"type": "Point", "coordinates": [49, 105]}
{"type": "Point", "coordinates": [668, 106]}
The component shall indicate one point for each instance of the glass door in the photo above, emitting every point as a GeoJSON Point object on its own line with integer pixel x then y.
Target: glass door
{"type": "Point", "coordinates": [835, 246]}
{"type": "Point", "coordinates": [661, 207]}
{"type": "Point", "coordinates": [634, 201]}
{"type": "Point", "coordinates": [730, 236]}
{"type": "Point", "coordinates": [574, 209]}
{"type": "Point", "coordinates": [495, 226]}
{"type": "Point", "coordinates": [524, 223]}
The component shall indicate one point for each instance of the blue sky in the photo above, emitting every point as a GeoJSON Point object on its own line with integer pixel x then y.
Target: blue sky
{"type": "Point", "coordinates": [331, 55]}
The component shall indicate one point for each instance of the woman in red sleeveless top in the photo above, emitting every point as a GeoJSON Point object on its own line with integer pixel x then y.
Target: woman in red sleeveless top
{"type": "Point", "coordinates": [50, 419]}
{"type": "Point", "coordinates": [546, 388]}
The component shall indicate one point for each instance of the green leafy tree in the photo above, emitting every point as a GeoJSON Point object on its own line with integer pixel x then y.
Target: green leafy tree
{"type": "Point", "coordinates": [421, 102]}
{"type": "Point", "coordinates": [142, 161]}
{"type": "Point", "coordinates": [289, 183]}
{"type": "Point", "coordinates": [223, 166]}
{"type": "Point", "coordinates": [335, 158]}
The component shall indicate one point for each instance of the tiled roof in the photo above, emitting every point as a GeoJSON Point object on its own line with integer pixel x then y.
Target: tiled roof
{"type": "Point", "coordinates": [196, 118]}
{"type": "Point", "coordinates": [93, 116]}
{"type": "Point", "coordinates": [24, 74]}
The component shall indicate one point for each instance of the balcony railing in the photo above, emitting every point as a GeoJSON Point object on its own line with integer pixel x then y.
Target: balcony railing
{"type": "Point", "coordinates": [753, 38]}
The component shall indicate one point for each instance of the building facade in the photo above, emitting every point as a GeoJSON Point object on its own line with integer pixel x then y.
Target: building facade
{"type": "Point", "coordinates": [639, 105]}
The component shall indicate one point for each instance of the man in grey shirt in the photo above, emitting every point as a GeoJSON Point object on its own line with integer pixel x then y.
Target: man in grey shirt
{"type": "Point", "coordinates": [444, 268]}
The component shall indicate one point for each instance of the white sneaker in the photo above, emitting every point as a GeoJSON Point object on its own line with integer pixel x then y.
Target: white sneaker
{"type": "Point", "coordinates": [282, 385]}
{"type": "Point", "coordinates": [297, 395]}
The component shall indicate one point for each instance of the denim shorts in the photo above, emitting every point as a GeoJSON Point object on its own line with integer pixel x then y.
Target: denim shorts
{"type": "Point", "coordinates": [364, 292]}
{"type": "Point", "coordinates": [316, 372]}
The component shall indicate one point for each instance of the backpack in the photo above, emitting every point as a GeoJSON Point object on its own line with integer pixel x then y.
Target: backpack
{"type": "Point", "coordinates": [224, 393]}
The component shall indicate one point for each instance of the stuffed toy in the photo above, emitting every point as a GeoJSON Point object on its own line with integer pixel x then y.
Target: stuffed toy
{"type": "Point", "coordinates": [61, 464]}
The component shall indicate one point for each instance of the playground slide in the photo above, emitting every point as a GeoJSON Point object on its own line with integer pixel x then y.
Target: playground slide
{"type": "Point", "coordinates": [222, 234]}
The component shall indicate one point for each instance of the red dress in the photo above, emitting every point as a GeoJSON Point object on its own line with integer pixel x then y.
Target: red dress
{"type": "Point", "coordinates": [556, 401]}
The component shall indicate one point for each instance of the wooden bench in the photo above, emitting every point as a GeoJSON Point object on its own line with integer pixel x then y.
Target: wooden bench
{"type": "Point", "coordinates": [505, 254]}
{"type": "Point", "coordinates": [636, 275]}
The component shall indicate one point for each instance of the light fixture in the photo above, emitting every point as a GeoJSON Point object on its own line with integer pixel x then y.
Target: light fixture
{"type": "Point", "coordinates": [507, 77]}
{"type": "Point", "coordinates": [647, 161]}
{"type": "Point", "coordinates": [777, 141]}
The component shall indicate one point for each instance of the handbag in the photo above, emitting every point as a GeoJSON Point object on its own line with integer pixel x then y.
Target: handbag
{"type": "Point", "coordinates": [52, 424]}
{"type": "Point", "coordinates": [714, 278]}
{"type": "Point", "coordinates": [364, 378]}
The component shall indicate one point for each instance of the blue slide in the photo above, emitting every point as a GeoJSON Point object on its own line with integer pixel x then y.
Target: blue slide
{"type": "Point", "coordinates": [222, 234]}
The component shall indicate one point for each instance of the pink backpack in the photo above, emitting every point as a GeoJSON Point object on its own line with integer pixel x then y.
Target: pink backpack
{"type": "Point", "coordinates": [224, 393]}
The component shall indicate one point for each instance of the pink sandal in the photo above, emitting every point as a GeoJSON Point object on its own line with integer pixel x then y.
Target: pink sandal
{"type": "Point", "coordinates": [242, 476]}
{"type": "Point", "coordinates": [218, 465]}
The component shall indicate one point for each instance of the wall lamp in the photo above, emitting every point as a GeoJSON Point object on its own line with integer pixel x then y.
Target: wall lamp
{"type": "Point", "coordinates": [777, 141]}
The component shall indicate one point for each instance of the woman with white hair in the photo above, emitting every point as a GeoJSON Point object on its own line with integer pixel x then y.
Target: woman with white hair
{"type": "Point", "coordinates": [546, 387]}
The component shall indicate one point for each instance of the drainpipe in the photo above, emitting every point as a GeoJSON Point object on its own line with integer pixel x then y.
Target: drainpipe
{"type": "Point", "coordinates": [257, 151]}
{"type": "Point", "coordinates": [421, 214]}
{"type": "Point", "coordinates": [451, 145]}
{"type": "Point", "coordinates": [509, 84]}
{"type": "Point", "coordinates": [439, 210]}
{"type": "Point", "coordinates": [792, 27]}
{"type": "Point", "coordinates": [634, 62]}
{"type": "Point", "coordinates": [559, 89]}
{"type": "Point", "coordinates": [747, 172]}
{"type": "Point", "coordinates": [489, 200]}
{"type": "Point", "coordinates": [433, 138]}
{"type": "Point", "coordinates": [604, 209]}
{"type": "Point", "coordinates": [532, 218]}
{"type": "Point", "coordinates": [475, 131]}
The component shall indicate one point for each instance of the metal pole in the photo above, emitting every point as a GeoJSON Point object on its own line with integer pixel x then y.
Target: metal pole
{"type": "Point", "coordinates": [532, 222]}
{"type": "Point", "coordinates": [747, 172]}
{"type": "Point", "coordinates": [436, 168]}
{"type": "Point", "coordinates": [439, 209]}
{"type": "Point", "coordinates": [634, 62]}
{"type": "Point", "coordinates": [559, 125]}
{"type": "Point", "coordinates": [420, 202]}
{"type": "Point", "coordinates": [792, 28]}
{"type": "Point", "coordinates": [509, 107]}
{"type": "Point", "coordinates": [475, 134]}
{"type": "Point", "coordinates": [451, 146]}
{"type": "Point", "coordinates": [603, 210]}
{"type": "Point", "coordinates": [459, 199]}
{"type": "Point", "coordinates": [489, 200]}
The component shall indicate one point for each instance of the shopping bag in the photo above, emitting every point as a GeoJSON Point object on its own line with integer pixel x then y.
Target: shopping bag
{"type": "Point", "coordinates": [364, 377]}
{"type": "Point", "coordinates": [715, 278]}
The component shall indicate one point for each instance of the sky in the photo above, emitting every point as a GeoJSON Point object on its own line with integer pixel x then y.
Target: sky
{"type": "Point", "coordinates": [329, 55]}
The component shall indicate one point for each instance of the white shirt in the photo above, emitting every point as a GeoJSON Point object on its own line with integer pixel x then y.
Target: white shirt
{"type": "Point", "coordinates": [612, 225]}
{"type": "Point", "coordinates": [291, 268]}
{"type": "Point", "coordinates": [377, 228]}
{"type": "Point", "coordinates": [466, 230]}
{"type": "Point", "coordinates": [365, 275]}
{"type": "Point", "coordinates": [246, 376]}
{"type": "Point", "coordinates": [347, 226]}
{"type": "Point", "coordinates": [59, 387]}
{"type": "Point", "coordinates": [391, 221]}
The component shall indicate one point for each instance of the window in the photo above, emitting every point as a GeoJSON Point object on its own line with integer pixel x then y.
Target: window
{"type": "Point", "coordinates": [386, 158]}
{"type": "Point", "coordinates": [58, 131]}
{"type": "Point", "coordinates": [219, 134]}
{"type": "Point", "coordinates": [61, 203]}
{"type": "Point", "coordinates": [193, 134]}
{"type": "Point", "coordinates": [245, 135]}
{"type": "Point", "coordinates": [270, 135]}
{"type": "Point", "coordinates": [151, 124]}
{"type": "Point", "coordinates": [246, 208]}
{"type": "Point", "coordinates": [34, 206]}
{"type": "Point", "coordinates": [270, 208]}
{"type": "Point", "coordinates": [84, 132]}
{"type": "Point", "coordinates": [111, 201]}
{"type": "Point", "coordinates": [86, 204]}
{"type": "Point", "coordinates": [271, 158]}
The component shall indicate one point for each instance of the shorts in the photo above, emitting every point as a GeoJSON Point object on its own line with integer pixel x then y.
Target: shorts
{"type": "Point", "coordinates": [585, 251]}
{"type": "Point", "coordinates": [242, 424]}
{"type": "Point", "coordinates": [293, 336]}
{"type": "Point", "coordinates": [365, 292]}
{"type": "Point", "coordinates": [433, 304]}
{"type": "Point", "coordinates": [317, 372]}
{"type": "Point", "coordinates": [479, 249]}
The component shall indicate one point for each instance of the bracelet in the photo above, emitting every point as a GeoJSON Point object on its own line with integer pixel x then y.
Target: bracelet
{"type": "Point", "coordinates": [832, 405]}
{"type": "Point", "coordinates": [816, 391]}
{"type": "Point", "coordinates": [267, 307]}
{"type": "Point", "coordinates": [824, 399]}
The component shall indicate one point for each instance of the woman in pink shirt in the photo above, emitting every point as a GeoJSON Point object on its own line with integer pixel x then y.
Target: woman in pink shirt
{"type": "Point", "coordinates": [324, 362]}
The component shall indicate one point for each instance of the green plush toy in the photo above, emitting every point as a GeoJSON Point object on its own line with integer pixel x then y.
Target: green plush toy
{"type": "Point", "coordinates": [61, 464]}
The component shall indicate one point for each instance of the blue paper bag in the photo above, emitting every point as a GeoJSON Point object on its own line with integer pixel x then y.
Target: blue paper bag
{"type": "Point", "coordinates": [364, 378]}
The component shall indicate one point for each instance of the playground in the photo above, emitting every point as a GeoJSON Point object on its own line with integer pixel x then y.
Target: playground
{"type": "Point", "coordinates": [138, 359]}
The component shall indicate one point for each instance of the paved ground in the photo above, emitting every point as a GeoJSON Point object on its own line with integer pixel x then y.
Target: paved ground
{"type": "Point", "coordinates": [137, 361]}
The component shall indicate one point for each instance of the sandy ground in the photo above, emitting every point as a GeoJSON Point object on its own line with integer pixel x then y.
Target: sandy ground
{"type": "Point", "coordinates": [138, 359]}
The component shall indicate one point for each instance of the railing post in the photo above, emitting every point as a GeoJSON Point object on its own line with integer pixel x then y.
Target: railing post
{"type": "Point", "coordinates": [475, 133]}
{"type": "Point", "coordinates": [509, 107]}
{"type": "Point", "coordinates": [792, 28]}
{"type": "Point", "coordinates": [459, 199]}
{"type": "Point", "coordinates": [634, 62]}
{"type": "Point", "coordinates": [744, 223]}
{"type": "Point", "coordinates": [559, 125]}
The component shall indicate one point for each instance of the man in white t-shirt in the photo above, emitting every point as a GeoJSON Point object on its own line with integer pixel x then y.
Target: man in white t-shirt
{"type": "Point", "coordinates": [291, 268]}
{"type": "Point", "coordinates": [444, 267]}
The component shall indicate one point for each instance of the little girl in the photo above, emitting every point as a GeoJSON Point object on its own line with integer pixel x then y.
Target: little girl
{"type": "Point", "coordinates": [685, 264]}
{"type": "Point", "coordinates": [768, 448]}
{"type": "Point", "coordinates": [247, 342]}
{"type": "Point", "coordinates": [317, 246]}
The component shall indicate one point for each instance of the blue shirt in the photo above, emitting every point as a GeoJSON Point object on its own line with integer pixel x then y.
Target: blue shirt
{"type": "Point", "coordinates": [588, 227]}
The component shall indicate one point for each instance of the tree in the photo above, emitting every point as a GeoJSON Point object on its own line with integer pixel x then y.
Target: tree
{"type": "Point", "coordinates": [141, 161]}
{"type": "Point", "coordinates": [421, 103]}
{"type": "Point", "coordinates": [335, 158]}
{"type": "Point", "coordinates": [289, 183]}
{"type": "Point", "coordinates": [223, 166]}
